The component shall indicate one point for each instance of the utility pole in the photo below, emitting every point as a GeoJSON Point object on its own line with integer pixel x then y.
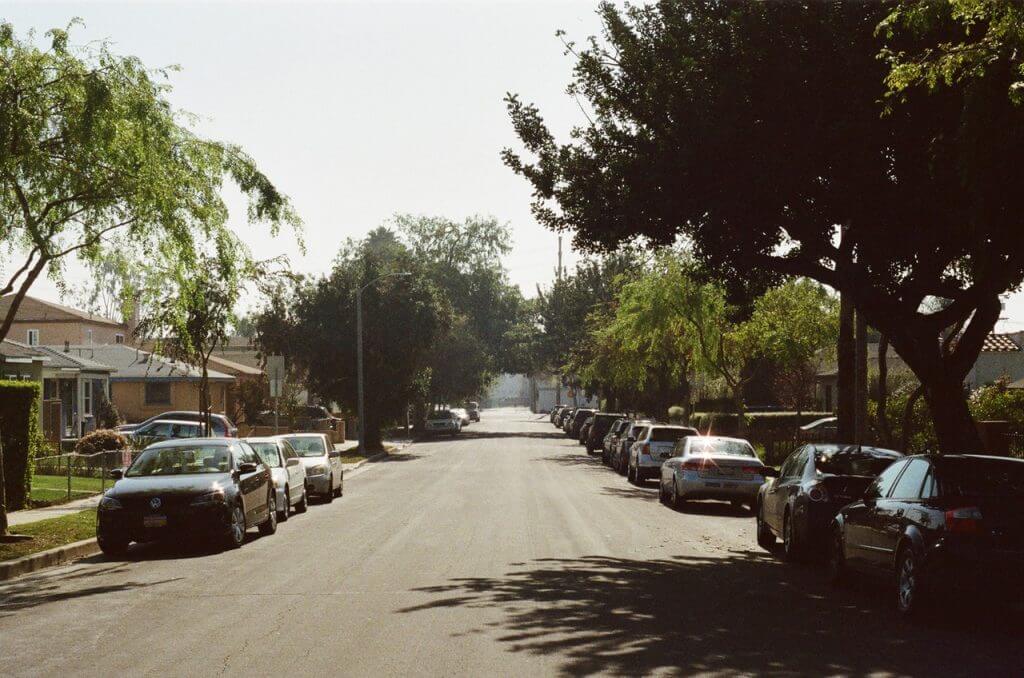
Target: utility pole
{"type": "Point", "coordinates": [846, 380]}
{"type": "Point", "coordinates": [558, 271]}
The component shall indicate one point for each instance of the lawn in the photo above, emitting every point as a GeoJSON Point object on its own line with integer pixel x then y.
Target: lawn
{"type": "Point", "coordinates": [51, 533]}
{"type": "Point", "coordinates": [47, 490]}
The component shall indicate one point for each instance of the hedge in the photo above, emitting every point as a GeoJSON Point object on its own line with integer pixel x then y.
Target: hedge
{"type": "Point", "coordinates": [724, 423]}
{"type": "Point", "coordinates": [19, 434]}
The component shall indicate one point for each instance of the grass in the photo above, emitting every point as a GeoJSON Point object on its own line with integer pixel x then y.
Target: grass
{"type": "Point", "coordinates": [51, 533]}
{"type": "Point", "coordinates": [48, 490]}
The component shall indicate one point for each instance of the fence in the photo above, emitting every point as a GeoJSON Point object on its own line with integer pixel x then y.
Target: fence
{"type": "Point", "coordinates": [1015, 445]}
{"type": "Point", "coordinates": [64, 477]}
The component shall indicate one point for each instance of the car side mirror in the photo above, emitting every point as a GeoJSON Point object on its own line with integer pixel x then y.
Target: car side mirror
{"type": "Point", "coordinates": [248, 467]}
{"type": "Point", "coordinates": [116, 473]}
{"type": "Point", "coordinates": [334, 454]}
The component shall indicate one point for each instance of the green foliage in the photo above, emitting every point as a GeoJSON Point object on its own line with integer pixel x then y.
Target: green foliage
{"type": "Point", "coordinates": [107, 415]}
{"type": "Point", "coordinates": [102, 440]}
{"type": "Point", "coordinates": [757, 424]}
{"type": "Point", "coordinates": [19, 436]}
{"type": "Point", "coordinates": [996, 402]}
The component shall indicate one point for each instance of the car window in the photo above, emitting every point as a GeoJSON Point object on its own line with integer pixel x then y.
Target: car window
{"type": "Point", "coordinates": [793, 465]}
{"type": "Point", "coordinates": [739, 448]}
{"type": "Point", "coordinates": [883, 483]}
{"type": "Point", "coordinates": [160, 428]}
{"type": "Point", "coordinates": [180, 460]}
{"type": "Point", "coordinates": [286, 448]}
{"type": "Point", "coordinates": [661, 434]}
{"type": "Point", "coordinates": [308, 446]}
{"type": "Point", "coordinates": [929, 490]}
{"type": "Point", "coordinates": [268, 454]}
{"type": "Point", "coordinates": [910, 483]}
{"type": "Point", "coordinates": [640, 432]}
{"type": "Point", "coordinates": [853, 462]}
{"type": "Point", "coordinates": [982, 477]}
{"type": "Point", "coordinates": [245, 455]}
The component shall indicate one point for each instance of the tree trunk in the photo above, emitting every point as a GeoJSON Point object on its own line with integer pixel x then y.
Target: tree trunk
{"type": "Point", "coordinates": [846, 378]}
{"type": "Point", "coordinates": [861, 403]}
{"type": "Point", "coordinates": [372, 437]}
{"type": "Point", "coordinates": [884, 429]}
{"type": "Point", "coordinates": [3, 490]}
{"type": "Point", "coordinates": [741, 414]}
{"type": "Point", "coordinates": [954, 425]}
{"type": "Point", "coordinates": [908, 413]}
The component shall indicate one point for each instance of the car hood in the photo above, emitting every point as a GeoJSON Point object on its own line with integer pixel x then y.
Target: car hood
{"type": "Point", "coordinates": [169, 485]}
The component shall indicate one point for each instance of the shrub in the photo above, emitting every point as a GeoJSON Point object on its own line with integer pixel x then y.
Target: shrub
{"type": "Point", "coordinates": [19, 435]}
{"type": "Point", "coordinates": [103, 440]}
{"type": "Point", "coordinates": [107, 415]}
{"type": "Point", "coordinates": [996, 402]}
{"type": "Point", "coordinates": [758, 423]}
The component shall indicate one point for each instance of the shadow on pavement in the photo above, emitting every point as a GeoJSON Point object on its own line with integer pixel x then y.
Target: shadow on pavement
{"type": "Point", "coordinates": [700, 614]}
{"type": "Point", "coordinates": [40, 589]}
{"type": "Point", "coordinates": [470, 434]}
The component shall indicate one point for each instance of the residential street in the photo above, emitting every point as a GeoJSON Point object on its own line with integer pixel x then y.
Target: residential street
{"type": "Point", "coordinates": [506, 551]}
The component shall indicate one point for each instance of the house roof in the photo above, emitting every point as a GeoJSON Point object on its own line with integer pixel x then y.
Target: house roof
{"type": "Point", "coordinates": [133, 364]}
{"type": "Point", "coordinates": [60, 359]}
{"type": "Point", "coordinates": [994, 343]}
{"type": "Point", "coordinates": [1017, 384]}
{"type": "Point", "coordinates": [49, 311]}
{"type": "Point", "coordinates": [19, 351]}
{"type": "Point", "coordinates": [999, 343]}
{"type": "Point", "coordinates": [233, 367]}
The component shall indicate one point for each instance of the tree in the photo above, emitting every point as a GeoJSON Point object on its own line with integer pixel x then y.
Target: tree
{"type": "Point", "coordinates": [96, 161]}
{"type": "Point", "coordinates": [459, 365]}
{"type": "Point", "coordinates": [754, 130]}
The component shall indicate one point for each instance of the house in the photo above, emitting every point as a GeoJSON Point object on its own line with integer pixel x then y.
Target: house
{"type": "Point", "coordinates": [72, 386]}
{"type": "Point", "coordinates": [146, 384]}
{"type": "Point", "coordinates": [45, 323]}
{"type": "Point", "coordinates": [243, 374]}
{"type": "Point", "coordinates": [1001, 357]}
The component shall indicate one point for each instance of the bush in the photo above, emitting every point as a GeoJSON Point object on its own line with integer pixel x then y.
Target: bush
{"type": "Point", "coordinates": [107, 415]}
{"type": "Point", "coordinates": [998, 403]}
{"type": "Point", "coordinates": [19, 435]}
{"type": "Point", "coordinates": [103, 440]}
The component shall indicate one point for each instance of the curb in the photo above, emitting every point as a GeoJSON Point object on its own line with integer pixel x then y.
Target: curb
{"type": "Point", "coordinates": [368, 460]}
{"type": "Point", "coordinates": [43, 559]}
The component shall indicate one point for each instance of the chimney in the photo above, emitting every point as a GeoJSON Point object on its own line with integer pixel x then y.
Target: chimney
{"type": "Point", "coordinates": [67, 346]}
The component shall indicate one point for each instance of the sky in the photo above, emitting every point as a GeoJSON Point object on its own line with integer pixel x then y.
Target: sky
{"type": "Point", "coordinates": [362, 110]}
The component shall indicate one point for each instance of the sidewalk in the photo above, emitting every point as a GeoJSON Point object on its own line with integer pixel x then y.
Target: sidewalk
{"type": "Point", "coordinates": [32, 515]}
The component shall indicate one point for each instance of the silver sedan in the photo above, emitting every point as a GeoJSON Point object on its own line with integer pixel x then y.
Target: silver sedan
{"type": "Point", "coordinates": [287, 471]}
{"type": "Point", "coordinates": [325, 476]}
{"type": "Point", "coordinates": [712, 467]}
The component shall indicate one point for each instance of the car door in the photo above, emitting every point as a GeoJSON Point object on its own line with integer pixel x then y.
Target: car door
{"type": "Point", "coordinates": [334, 459]}
{"type": "Point", "coordinates": [892, 512]}
{"type": "Point", "coordinates": [253, 486]}
{"type": "Point", "coordinates": [779, 489]}
{"type": "Point", "coordinates": [296, 471]}
{"type": "Point", "coordinates": [861, 519]}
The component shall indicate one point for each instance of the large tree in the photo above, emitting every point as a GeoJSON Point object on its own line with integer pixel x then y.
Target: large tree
{"type": "Point", "coordinates": [96, 160]}
{"type": "Point", "coordinates": [854, 144]}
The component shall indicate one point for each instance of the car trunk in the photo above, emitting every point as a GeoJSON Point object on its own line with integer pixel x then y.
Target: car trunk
{"type": "Point", "coordinates": [843, 490]}
{"type": "Point", "coordinates": [727, 466]}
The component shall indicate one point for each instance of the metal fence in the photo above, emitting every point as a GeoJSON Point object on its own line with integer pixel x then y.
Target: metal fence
{"type": "Point", "coordinates": [65, 477]}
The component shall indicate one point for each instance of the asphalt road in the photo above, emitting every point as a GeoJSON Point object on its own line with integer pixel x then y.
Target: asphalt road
{"type": "Point", "coordinates": [505, 552]}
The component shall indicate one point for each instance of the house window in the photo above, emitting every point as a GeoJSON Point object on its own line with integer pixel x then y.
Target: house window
{"type": "Point", "coordinates": [33, 338]}
{"type": "Point", "coordinates": [88, 336]}
{"type": "Point", "coordinates": [158, 393]}
{"type": "Point", "coordinates": [118, 338]}
{"type": "Point", "coordinates": [87, 396]}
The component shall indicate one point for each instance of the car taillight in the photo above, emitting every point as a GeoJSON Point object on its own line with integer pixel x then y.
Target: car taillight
{"type": "Point", "coordinates": [753, 470]}
{"type": "Point", "coordinates": [693, 465]}
{"type": "Point", "coordinates": [817, 493]}
{"type": "Point", "coordinates": [965, 520]}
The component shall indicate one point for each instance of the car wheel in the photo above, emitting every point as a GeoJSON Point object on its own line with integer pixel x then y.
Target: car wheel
{"type": "Point", "coordinates": [910, 585]}
{"type": "Point", "coordinates": [790, 542]}
{"type": "Point", "coordinates": [113, 547]}
{"type": "Point", "coordinates": [590, 449]}
{"type": "Point", "coordinates": [675, 500]}
{"type": "Point", "coordinates": [836, 558]}
{"type": "Point", "coordinates": [282, 511]}
{"type": "Point", "coordinates": [236, 528]}
{"type": "Point", "coordinates": [329, 495]}
{"type": "Point", "coordinates": [662, 497]}
{"type": "Point", "coordinates": [303, 502]}
{"type": "Point", "coordinates": [765, 536]}
{"type": "Point", "coordinates": [630, 478]}
{"type": "Point", "coordinates": [341, 484]}
{"type": "Point", "coordinates": [269, 526]}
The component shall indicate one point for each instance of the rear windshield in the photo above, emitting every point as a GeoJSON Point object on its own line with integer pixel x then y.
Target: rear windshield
{"type": "Point", "coordinates": [312, 446]}
{"type": "Point", "coordinates": [736, 448]}
{"type": "Point", "coordinates": [583, 414]}
{"type": "Point", "coordinates": [852, 463]}
{"type": "Point", "coordinates": [982, 477]}
{"type": "Point", "coordinates": [620, 426]}
{"type": "Point", "coordinates": [637, 432]}
{"type": "Point", "coordinates": [443, 414]}
{"type": "Point", "coordinates": [669, 435]}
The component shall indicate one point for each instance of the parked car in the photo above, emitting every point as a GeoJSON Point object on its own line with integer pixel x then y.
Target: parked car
{"type": "Point", "coordinates": [176, 489]}
{"type": "Point", "coordinates": [620, 457]}
{"type": "Point", "coordinates": [564, 417]}
{"type": "Point", "coordinates": [815, 481]}
{"type": "Point", "coordinates": [935, 524]}
{"type": "Point", "coordinates": [221, 426]}
{"type": "Point", "coordinates": [304, 418]}
{"type": "Point", "coordinates": [325, 477]}
{"type": "Point", "coordinates": [473, 408]}
{"type": "Point", "coordinates": [712, 467]}
{"type": "Point", "coordinates": [555, 412]}
{"type": "Point", "coordinates": [164, 429]}
{"type": "Point", "coordinates": [585, 430]}
{"type": "Point", "coordinates": [443, 421]}
{"type": "Point", "coordinates": [287, 471]}
{"type": "Point", "coordinates": [611, 439]}
{"type": "Point", "coordinates": [579, 418]}
{"type": "Point", "coordinates": [821, 430]}
{"type": "Point", "coordinates": [599, 427]}
{"type": "Point", "coordinates": [462, 414]}
{"type": "Point", "coordinates": [651, 449]}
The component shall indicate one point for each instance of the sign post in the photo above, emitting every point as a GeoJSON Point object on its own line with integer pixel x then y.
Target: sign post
{"type": "Point", "coordinates": [275, 372]}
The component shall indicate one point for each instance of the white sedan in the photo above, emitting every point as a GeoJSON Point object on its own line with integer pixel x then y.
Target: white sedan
{"type": "Point", "coordinates": [712, 467]}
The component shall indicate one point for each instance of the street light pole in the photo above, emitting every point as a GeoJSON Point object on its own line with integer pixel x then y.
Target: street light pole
{"type": "Point", "coordinates": [359, 355]}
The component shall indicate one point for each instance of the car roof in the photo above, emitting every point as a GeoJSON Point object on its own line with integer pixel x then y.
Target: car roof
{"type": "Point", "coordinates": [300, 435]}
{"type": "Point", "coordinates": [729, 438]}
{"type": "Point", "coordinates": [182, 422]}
{"type": "Point", "coordinates": [837, 448]}
{"type": "Point", "coordinates": [187, 442]}
{"type": "Point", "coordinates": [262, 439]}
{"type": "Point", "coordinates": [977, 457]}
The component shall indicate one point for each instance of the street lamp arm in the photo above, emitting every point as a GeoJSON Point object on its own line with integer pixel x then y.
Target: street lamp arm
{"type": "Point", "coordinates": [395, 274]}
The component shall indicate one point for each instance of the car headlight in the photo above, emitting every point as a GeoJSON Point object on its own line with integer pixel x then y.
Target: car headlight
{"type": "Point", "coordinates": [109, 504]}
{"type": "Point", "coordinates": [317, 470]}
{"type": "Point", "coordinates": [215, 497]}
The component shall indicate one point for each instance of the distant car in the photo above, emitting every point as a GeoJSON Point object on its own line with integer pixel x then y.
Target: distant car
{"type": "Point", "coordinates": [652, 448]}
{"type": "Point", "coordinates": [304, 418]}
{"type": "Point", "coordinates": [462, 414]}
{"type": "Point", "coordinates": [555, 412]}
{"type": "Point", "coordinates": [210, 487]}
{"type": "Point", "coordinates": [566, 419]}
{"type": "Point", "coordinates": [585, 430]}
{"type": "Point", "coordinates": [473, 408]}
{"type": "Point", "coordinates": [937, 524]}
{"type": "Point", "coordinates": [599, 427]}
{"type": "Point", "coordinates": [220, 425]}
{"type": "Point", "coordinates": [579, 418]}
{"type": "Point", "coordinates": [823, 430]}
{"type": "Point", "coordinates": [712, 467]}
{"type": "Point", "coordinates": [443, 421]}
{"type": "Point", "coordinates": [815, 481]}
{"type": "Point", "coordinates": [611, 439]}
{"type": "Point", "coordinates": [164, 429]}
{"type": "Point", "coordinates": [620, 456]}
{"type": "Point", "coordinates": [287, 471]}
{"type": "Point", "coordinates": [325, 476]}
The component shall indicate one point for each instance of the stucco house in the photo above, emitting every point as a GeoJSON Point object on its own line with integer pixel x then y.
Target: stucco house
{"type": "Point", "coordinates": [45, 323]}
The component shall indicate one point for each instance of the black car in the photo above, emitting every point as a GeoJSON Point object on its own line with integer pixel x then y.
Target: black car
{"type": "Point", "coordinates": [555, 412]}
{"type": "Point", "coordinates": [579, 418]}
{"type": "Point", "coordinates": [212, 487]}
{"type": "Point", "coordinates": [611, 439]}
{"type": "Point", "coordinates": [599, 429]}
{"type": "Point", "coordinates": [931, 523]}
{"type": "Point", "coordinates": [814, 482]}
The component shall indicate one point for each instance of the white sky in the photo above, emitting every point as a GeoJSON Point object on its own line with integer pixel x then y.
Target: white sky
{"type": "Point", "coordinates": [360, 110]}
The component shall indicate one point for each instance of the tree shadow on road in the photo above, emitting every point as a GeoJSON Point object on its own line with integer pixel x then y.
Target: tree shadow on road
{"type": "Point", "coordinates": [56, 587]}
{"type": "Point", "coordinates": [744, 613]}
{"type": "Point", "coordinates": [469, 434]}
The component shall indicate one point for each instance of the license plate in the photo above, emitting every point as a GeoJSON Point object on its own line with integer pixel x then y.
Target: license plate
{"type": "Point", "coordinates": [154, 521]}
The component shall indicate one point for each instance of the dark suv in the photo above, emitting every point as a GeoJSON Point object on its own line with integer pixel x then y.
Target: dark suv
{"type": "Point", "coordinates": [599, 429]}
{"type": "Point", "coordinates": [578, 419]}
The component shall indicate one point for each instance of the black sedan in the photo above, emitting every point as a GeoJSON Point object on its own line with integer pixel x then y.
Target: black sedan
{"type": "Point", "coordinates": [814, 483]}
{"type": "Point", "coordinates": [212, 487]}
{"type": "Point", "coordinates": [934, 523]}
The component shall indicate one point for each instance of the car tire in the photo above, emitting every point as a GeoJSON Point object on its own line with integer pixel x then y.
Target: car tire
{"type": "Point", "coordinates": [282, 511]}
{"type": "Point", "coordinates": [675, 500]}
{"type": "Point", "coordinates": [662, 497]}
{"type": "Point", "coordinates": [791, 546]}
{"type": "Point", "coordinates": [630, 478]}
{"type": "Point", "coordinates": [836, 559]}
{"type": "Point", "coordinates": [113, 548]}
{"type": "Point", "coordinates": [765, 536]}
{"type": "Point", "coordinates": [235, 535]}
{"type": "Point", "coordinates": [303, 503]}
{"type": "Point", "coordinates": [590, 450]}
{"type": "Point", "coordinates": [910, 583]}
{"type": "Point", "coordinates": [341, 485]}
{"type": "Point", "coordinates": [269, 526]}
{"type": "Point", "coordinates": [328, 496]}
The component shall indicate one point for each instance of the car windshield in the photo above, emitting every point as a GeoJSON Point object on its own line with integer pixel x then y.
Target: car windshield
{"type": "Point", "coordinates": [268, 454]}
{"type": "Point", "coordinates": [311, 446]}
{"type": "Point", "coordinates": [852, 462]}
{"type": "Point", "coordinates": [176, 461]}
{"type": "Point", "coordinates": [668, 435]}
{"type": "Point", "coordinates": [736, 448]}
{"type": "Point", "coordinates": [442, 414]}
{"type": "Point", "coordinates": [982, 477]}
